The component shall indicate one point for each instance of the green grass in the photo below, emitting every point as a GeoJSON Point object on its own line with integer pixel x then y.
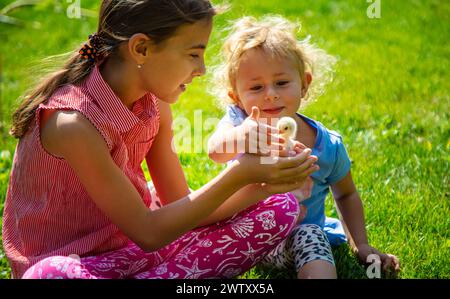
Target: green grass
{"type": "Point", "coordinates": [389, 100]}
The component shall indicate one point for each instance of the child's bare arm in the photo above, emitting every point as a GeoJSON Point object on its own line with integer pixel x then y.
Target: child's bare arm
{"type": "Point", "coordinates": [223, 144]}
{"type": "Point", "coordinates": [351, 209]}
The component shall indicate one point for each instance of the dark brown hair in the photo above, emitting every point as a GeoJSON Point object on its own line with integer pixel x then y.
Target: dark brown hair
{"type": "Point", "coordinates": [118, 21]}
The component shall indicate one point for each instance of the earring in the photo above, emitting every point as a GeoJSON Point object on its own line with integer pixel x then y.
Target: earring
{"type": "Point", "coordinates": [139, 66]}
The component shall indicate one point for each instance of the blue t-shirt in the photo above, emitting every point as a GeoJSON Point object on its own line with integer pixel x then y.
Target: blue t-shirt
{"type": "Point", "coordinates": [333, 161]}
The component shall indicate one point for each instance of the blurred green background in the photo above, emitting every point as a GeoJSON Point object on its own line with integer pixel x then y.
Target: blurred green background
{"type": "Point", "coordinates": [389, 101]}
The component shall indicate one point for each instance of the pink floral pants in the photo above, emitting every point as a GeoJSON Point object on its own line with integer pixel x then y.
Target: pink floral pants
{"type": "Point", "coordinates": [222, 250]}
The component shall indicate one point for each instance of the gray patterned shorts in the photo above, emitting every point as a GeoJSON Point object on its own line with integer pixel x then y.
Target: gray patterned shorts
{"type": "Point", "coordinates": [306, 243]}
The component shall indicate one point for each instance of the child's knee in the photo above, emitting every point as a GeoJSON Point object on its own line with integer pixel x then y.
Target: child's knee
{"type": "Point", "coordinates": [317, 269]}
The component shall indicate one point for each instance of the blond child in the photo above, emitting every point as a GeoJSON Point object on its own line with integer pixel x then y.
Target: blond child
{"type": "Point", "coordinates": [269, 74]}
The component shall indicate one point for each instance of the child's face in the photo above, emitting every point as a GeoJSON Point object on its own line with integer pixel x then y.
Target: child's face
{"type": "Point", "coordinates": [180, 59]}
{"type": "Point", "coordinates": [272, 84]}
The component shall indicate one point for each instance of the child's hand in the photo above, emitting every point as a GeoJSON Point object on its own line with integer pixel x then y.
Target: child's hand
{"type": "Point", "coordinates": [302, 214]}
{"type": "Point", "coordinates": [259, 138]}
{"type": "Point", "coordinates": [299, 147]}
{"type": "Point", "coordinates": [389, 262]}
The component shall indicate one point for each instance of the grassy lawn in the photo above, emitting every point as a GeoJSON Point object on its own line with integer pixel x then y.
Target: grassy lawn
{"type": "Point", "coordinates": [389, 101]}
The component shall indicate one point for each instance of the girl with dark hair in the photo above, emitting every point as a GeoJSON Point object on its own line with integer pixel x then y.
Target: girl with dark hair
{"type": "Point", "coordinates": [77, 203]}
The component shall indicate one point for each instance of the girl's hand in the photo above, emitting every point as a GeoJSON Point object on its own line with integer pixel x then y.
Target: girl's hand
{"type": "Point", "coordinates": [305, 184]}
{"type": "Point", "coordinates": [259, 138]}
{"type": "Point", "coordinates": [389, 262]}
{"type": "Point", "coordinates": [283, 175]}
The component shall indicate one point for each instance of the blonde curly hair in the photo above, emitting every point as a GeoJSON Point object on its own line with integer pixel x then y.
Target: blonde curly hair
{"type": "Point", "coordinates": [276, 36]}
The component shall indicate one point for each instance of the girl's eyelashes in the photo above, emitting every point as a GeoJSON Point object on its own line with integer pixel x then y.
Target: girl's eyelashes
{"type": "Point", "coordinates": [195, 55]}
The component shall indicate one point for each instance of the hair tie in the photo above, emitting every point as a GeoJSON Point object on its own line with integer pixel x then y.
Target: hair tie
{"type": "Point", "coordinates": [91, 49]}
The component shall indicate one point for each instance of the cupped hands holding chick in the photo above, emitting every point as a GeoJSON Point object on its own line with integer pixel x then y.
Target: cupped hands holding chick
{"type": "Point", "coordinates": [262, 139]}
{"type": "Point", "coordinates": [280, 141]}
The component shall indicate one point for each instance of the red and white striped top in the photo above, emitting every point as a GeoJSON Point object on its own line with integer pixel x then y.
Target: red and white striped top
{"type": "Point", "coordinates": [47, 210]}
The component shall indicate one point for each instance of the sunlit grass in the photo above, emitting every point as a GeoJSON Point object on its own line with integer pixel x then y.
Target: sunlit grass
{"type": "Point", "coordinates": [389, 101]}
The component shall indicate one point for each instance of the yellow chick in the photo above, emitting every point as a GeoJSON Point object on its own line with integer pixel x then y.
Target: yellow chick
{"type": "Point", "coordinates": [288, 130]}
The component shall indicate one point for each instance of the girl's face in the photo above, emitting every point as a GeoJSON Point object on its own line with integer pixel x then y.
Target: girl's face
{"type": "Point", "coordinates": [170, 68]}
{"type": "Point", "coordinates": [270, 83]}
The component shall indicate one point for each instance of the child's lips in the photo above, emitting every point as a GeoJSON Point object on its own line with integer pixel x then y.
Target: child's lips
{"type": "Point", "coordinates": [273, 110]}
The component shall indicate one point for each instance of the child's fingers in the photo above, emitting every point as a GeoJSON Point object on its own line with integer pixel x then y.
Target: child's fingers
{"type": "Point", "coordinates": [266, 138]}
{"type": "Point", "coordinates": [395, 262]}
{"type": "Point", "coordinates": [267, 129]}
{"type": "Point", "coordinates": [276, 146]}
{"type": "Point", "coordinates": [397, 265]}
{"type": "Point", "coordinates": [390, 262]}
{"type": "Point", "coordinates": [265, 152]}
{"type": "Point", "coordinates": [299, 147]}
{"type": "Point", "coordinates": [264, 149]}
{"type": "Point", "coordinates": [254, 115]}
{"type": "Point", "coordinates": [387, 264]}
{"type": "Point", "coordinates": [259, 149]}
{"type": "Point", "coordinates": [252, 147]}
{"type": "Point", "coordinates": [272, 138]}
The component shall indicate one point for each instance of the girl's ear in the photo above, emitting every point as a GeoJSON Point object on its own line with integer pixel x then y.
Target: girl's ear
{"type": "Point", "coordinates": [139, 47]}
{"type": "Point", "coordinates": [308, 79]}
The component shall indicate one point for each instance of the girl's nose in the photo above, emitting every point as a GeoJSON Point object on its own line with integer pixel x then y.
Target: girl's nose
{"type": "Point", "coordinates": [200, 70]}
